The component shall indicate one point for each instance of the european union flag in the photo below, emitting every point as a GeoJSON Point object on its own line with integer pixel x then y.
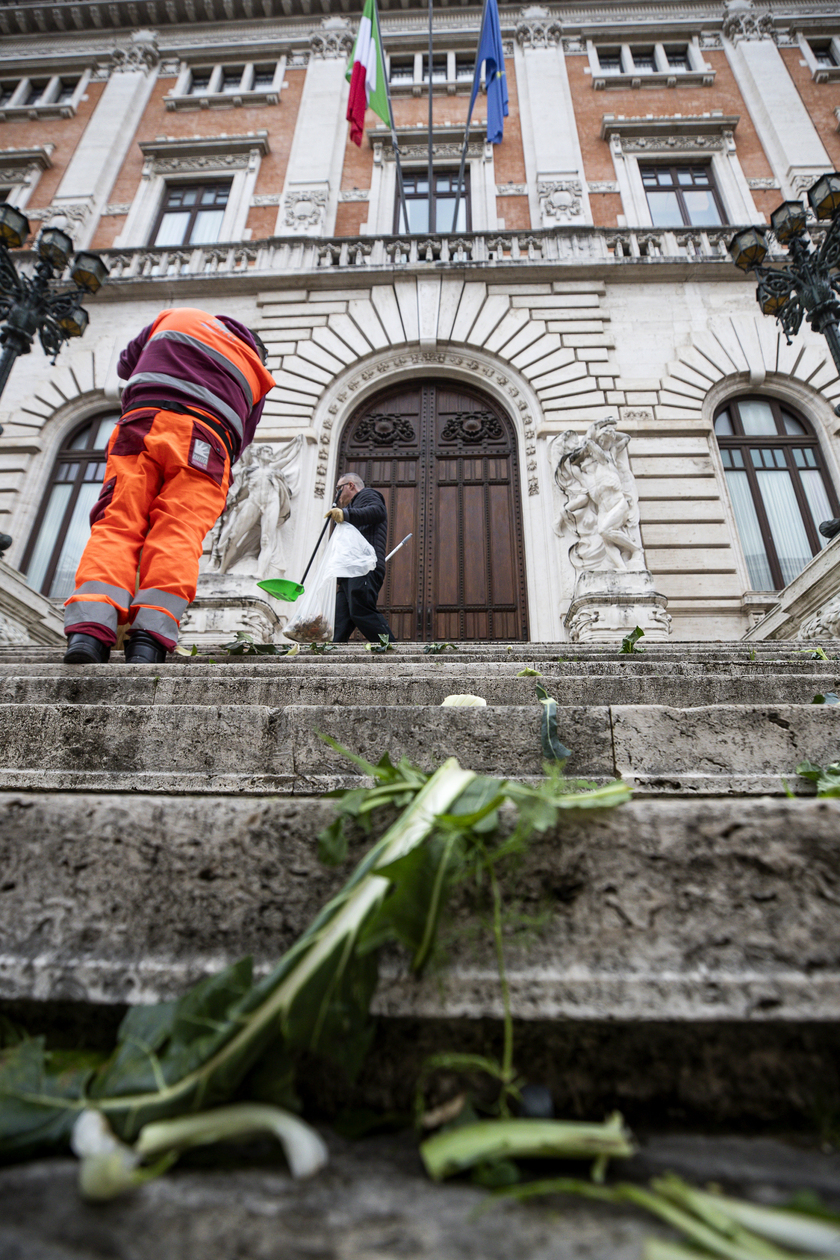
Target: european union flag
{"type": "Point", "coordinates": [491, 52]}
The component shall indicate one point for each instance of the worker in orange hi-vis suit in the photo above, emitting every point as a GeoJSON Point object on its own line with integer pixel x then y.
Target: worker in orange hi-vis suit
{"type": "Point", "coordinates": [195, 394]}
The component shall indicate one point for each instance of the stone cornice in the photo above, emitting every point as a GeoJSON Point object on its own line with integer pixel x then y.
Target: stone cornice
{"type": "Point", "coordinates": [683, 127]}
{"type": "Point", "coordinates": [181, 147]}
{"type": "Point", "coordinates": [72, 17]}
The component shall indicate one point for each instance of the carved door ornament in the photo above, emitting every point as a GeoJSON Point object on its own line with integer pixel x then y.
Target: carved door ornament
{"type": "Point", "coordinates": [446, 461]}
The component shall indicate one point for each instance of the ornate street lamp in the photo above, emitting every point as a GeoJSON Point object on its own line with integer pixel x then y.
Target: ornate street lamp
{"type": "Point", "coordinates": [27, 304]}
{"type": "Point", "coordinates": [808, 286]}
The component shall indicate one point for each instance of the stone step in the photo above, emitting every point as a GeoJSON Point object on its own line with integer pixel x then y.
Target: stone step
{"type": "Point", "coordinates": [785, 651]}
{"type": "Point", "coordinates": [659, 910]}
{"type": "Point", "coordinates": [678, 687]}
{"type": "Point", "coordinates": [257, 748]}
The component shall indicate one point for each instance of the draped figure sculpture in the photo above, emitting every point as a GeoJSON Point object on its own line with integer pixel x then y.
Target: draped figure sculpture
{"type": "Point", "coordinates": [258, 505]}
{"type": "Point", "coordinates": [601, 501]}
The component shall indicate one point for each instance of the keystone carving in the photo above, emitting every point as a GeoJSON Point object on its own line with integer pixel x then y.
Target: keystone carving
{"type": "Point", "coordinates": [334, 39]}
{"type": "Point", "coordinates": [539, 33]}
{"type": "Point", "coordinates": [305, 209]}
{"type": "Point", "coordinates": [560, 201]}
{"type": "Point", "coordinates": [140, 54]}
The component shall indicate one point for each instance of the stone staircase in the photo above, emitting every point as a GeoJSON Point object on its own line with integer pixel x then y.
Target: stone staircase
{"type": "Point", "coordinates": [158, 822]}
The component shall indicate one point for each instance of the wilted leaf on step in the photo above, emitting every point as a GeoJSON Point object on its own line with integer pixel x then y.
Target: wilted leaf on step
{"type": "Point", "coordinates": [552, 748]}
{"type": "Point", "coordinates": [465, 701]}
{"type": "Point", "coordinates": [527, 672]}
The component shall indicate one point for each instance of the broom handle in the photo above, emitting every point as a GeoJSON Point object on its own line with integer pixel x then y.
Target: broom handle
{"type": "Point", "coordinates": [318, 543]}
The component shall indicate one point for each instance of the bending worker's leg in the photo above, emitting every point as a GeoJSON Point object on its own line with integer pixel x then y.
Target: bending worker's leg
{"type": "Point", "coordinates": [343, 625]}
{"type": "Point", "coordinates": [188, 504]}
{"type": "Point", "coordinates": [362, 594]}
{"type": "Point", "coordinates": [106, 576]}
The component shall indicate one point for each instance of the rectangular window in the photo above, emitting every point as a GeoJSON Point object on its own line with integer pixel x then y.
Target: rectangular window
{"type": "Point", "coordinates": [678, 59]}
{"type": "Point", "coordinates": [416, 185]}
{"type": "Point", "coordinates": [464, 68]}
{"type": "Point", "coordinates": [192, 214]}
{"type": "Point", "coordinates": [36, 91]}
{"type": "Point", "coordinates": [609, 59]}
{"type": "Point", "coordinates": [66, 90]}
{"type": "Point", "coordinates": [200, 82]}
{"type": "Point", "coordinates": [824, 53]}
{"type": "Point", "coordinates": [644, 61]}
{"type": "Point", "coordinates": [263, 78]}
{"type": "Point", "coordinates": [439, 70]}
{"type": "Point", "coordinates": [7, 91]}
{"type": "Point", "coordinates": [402, 69]}
{"type": "Point", "coordinates": [231, 80]}
{"type": "Point", "coordinates": [683, 195]}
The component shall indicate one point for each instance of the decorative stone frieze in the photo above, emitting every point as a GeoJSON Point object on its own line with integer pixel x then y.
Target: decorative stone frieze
{"type": "Point", "coordinates": [171, 155]}
{"type": "Point", "coordinates": [742, 20]}
{"type": "Point", "coordinates": [511, 190]}
{"type": "Point", "coordinates": [335, 38]}
{"type": "Point", "coordinates": [602, 185]}
{"type": "Point", "coordinates": [539, 33]}
{"type": "Point", "coordinates": [117, 208]}
{"type": "Point", "coordinates": [823, 624]}
{"type": "Point", "coordinates": [305, 209]}
{"type": "Point", "coordinates": [266, 199]}
{"type": "Point", "coordinates": [560, 201]}
{"type": "Point", "coordinates": [141, 53]}
{"type": "Point", "coordinates": [763, 182]}
{"type": "Point", "coordinates": [354, 194]}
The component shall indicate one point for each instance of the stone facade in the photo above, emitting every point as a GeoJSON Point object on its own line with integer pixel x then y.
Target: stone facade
{"type": "Point", "coordinates": [561, 300]}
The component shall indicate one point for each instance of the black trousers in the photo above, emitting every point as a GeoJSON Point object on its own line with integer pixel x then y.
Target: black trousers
{"type": "Point", "coordinates": [355, 608]}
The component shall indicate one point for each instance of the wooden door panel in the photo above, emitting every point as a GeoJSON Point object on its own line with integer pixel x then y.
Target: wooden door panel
{"type": "Point", "coordinates": [446, 462]}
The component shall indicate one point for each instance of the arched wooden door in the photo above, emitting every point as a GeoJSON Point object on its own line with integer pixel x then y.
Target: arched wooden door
{"type": "Point", "coordinates": [445, 459]}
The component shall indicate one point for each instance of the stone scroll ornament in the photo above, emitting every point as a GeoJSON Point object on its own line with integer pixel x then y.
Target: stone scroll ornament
{"type": "Point", "coordinates": [249, 536]}
{"type": "Point", "coordinates": [601, 502]}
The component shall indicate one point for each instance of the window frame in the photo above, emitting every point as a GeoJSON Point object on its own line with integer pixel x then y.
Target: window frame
{"type": "Point", "coordinates": [214, 94]}
{"type": "Point", "coordinates": [417, 83]}
{"type": "Point", "coordinates": [49, 103]}
{"type": "Point", "coordinates": [438, 173]}
{"type": "Point", "coordinates": [83, 456]}
{"type": "Point", "coordinates": [696, 72]}
{"type": "Point", "coordinates": [679, 189]}
{"type": "Point", "coordinates": [169, 188]}
{"type": "Point", "coordinates": [820, 72]}
{"type": "Point", "coordinates": [739, 440]}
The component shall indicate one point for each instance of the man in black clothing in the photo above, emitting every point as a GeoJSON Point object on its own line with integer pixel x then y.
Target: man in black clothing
{"type": "Point", "coordinates": [355, 605]}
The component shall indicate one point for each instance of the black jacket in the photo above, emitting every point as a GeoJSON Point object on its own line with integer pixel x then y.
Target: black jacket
{"type": "Point", "coordinates": [370, 516]}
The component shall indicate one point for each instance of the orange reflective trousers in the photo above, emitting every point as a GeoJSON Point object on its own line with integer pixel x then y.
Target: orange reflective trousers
{"type": "Point", "coordinates": [165, 486]}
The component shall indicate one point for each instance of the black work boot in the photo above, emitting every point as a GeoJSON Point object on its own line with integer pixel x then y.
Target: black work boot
{"type": "Point", "coordinates": [141, 648]}
{"type": "Point", "coordinates": [85, 649]}
{"type": "Point", "coordinates": [830, 529]}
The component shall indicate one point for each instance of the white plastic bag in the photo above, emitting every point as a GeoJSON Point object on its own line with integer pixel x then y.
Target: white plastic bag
{"type": "Point", "coordinates": [348, 554]}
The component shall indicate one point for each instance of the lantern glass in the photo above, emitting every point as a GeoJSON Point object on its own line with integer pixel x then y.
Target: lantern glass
{"type": "Point", "coordinates": [824, 196]}
{"type": "Point", "coordinates": [55, 247]}
{"type": "Point", "coordinates": [74, 322]}
{"type": "Point", "coordinates": [748, 248]}
{"type": "Point", "coordinates": [89, 272]}
{"type": "Point", "coordinates": [14, 227]}
{"type": "Point", "coordinates": [789, 221]}
{"type": "Point", "coordinates": [771, 303]}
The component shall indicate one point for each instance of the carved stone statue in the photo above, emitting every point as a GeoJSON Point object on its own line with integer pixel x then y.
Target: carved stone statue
{"type": "Point", "coordinates": [601, 499]}
{"type": "Point", "coordinates": [824, 623]}
{"type": "Point", "coordinates": [258, 505]}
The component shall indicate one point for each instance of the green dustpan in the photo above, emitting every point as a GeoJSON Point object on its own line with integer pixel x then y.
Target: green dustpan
{"type": "Point", "coordinates": [281, 589]}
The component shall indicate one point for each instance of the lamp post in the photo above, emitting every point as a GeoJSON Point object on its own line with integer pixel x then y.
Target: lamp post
{"type": "Point", "coordinates": [27, 303]}
{"type": "Point", "coordinates": [808, 286]}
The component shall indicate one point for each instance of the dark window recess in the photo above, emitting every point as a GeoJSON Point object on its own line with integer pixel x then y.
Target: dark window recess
{"type": "Point", "coordinates": [231, 80]}
{"type": "Point", "coordinates": [778, 486]}
{"type": "Point", "coordinates": [464, 68]}
{"type": "Point", "coordinates": [200, 82]}
{"type": "Point", "coordinates": [683, 195]}
{"type": "Point", "coordinates": [609, 59]}
{"type": "Point", "coordinates": [263, 78]}
{"type": "Point", "coordinates": [192, 214]}
{"type": "Point", "coordinates": [644, 61]}
{"type": "Point", "coordinates": [439, 70]}
{"type": "Point", "coordinates": [416, 187]}
{"type": "Point", "coordinates": [66, 90]}
{"type": "Point", "coordinates": [62, 527]}
{"type": "Point", "coordinates": [678, 59]}
{"type": "Point", "coordinates": [36, 91]}
{"type": "Point", "coordinates": [824, 53]}
{"type": "Point", "coordinates": [402, 69]}
{"type": "Point", "coordinates": [7, 91]}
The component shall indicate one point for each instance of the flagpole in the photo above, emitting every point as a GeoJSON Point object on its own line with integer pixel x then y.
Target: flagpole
{"type": "Point", "coordinates": [431, 120]}
{"type": "Point", "coordinates": [467, 131]}
{"type": "Point", "coordinates": [394, 141]}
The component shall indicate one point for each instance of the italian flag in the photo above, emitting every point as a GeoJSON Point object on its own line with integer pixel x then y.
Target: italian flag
{"type": "Point", "coordinates": [366, 75]}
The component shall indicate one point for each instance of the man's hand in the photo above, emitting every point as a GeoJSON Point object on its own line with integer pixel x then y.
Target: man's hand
{"type": "Point", "coordinates": [335, 514]}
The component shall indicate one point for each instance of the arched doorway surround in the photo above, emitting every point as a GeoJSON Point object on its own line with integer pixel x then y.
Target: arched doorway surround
{"type": "Point", "coordinates": [445, 457]}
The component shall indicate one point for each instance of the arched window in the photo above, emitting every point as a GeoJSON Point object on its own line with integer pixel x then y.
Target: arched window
{"type": "Point", "coordinates": [62, 528]}
{"type": "Point", "coordinates": [778, 486]}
